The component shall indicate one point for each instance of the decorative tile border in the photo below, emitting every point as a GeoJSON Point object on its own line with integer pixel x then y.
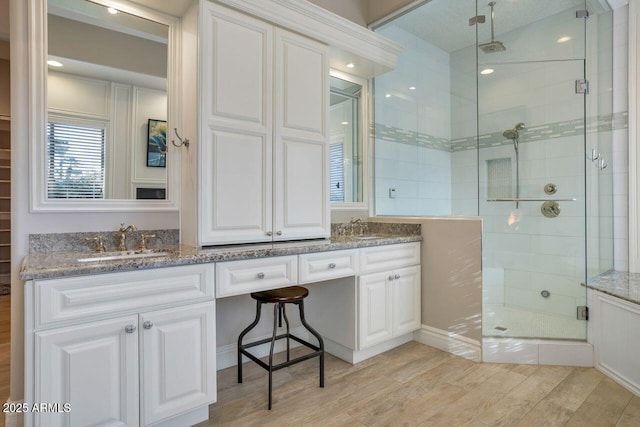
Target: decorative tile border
{"type": "Point", "coordinates": [402, 136]}
{"type": "Point", "coordinates": [604, 123]}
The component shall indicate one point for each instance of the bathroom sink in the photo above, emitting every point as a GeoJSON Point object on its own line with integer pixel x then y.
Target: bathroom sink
{"type": "Point", "coordinates": [112, 256]}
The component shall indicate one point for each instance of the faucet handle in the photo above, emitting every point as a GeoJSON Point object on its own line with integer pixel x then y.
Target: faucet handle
{"type": "Point", "coordinates": [143, 240]}
{"type": "Point", "coordinates": [99, 243]}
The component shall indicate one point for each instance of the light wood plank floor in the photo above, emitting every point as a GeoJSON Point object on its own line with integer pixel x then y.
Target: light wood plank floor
{"type": "Point", "coordinates": [416, 385]}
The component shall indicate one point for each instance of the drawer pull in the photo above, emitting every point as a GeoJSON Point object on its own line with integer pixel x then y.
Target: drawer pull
{"type": "Point", "coordinates": [397, 276]}
{"type": "Point", "coordinates": [130, 329]}
{"type": "Point", "coordinates": [260, 275]}
{"type": "Point", "coordinates": [147, 325]}
{"type": "Point", "coordinates": [332, 265]}
{"type": "Point", "coordinates": [391, 277]}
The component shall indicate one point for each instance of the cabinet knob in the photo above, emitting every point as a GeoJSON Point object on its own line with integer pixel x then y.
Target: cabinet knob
{"type": "Point", "coordinates": [130, 329]}
{"type": "Point", "coordinates": [391, 277]}
{"type": "Point", "coordinates": [260, 275]}
{"type": "Point", "coordinates": [269, 233]}
{"type": "Point", "coordinates": [397, 276]}
{"type": "Point", "coordinates": [147, 325]}
{"type": "Point", "coordinates": [332, 265]}
{"type": "Point", "coordinates": [279, 233]}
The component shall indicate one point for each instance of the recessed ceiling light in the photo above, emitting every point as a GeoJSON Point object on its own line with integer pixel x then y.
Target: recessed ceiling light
{"type": "Point", "coordinates": [564, 39]}
{"type": "Point", "coordinates": [344, 123]}
{"type": "Point", "coordinates": [388, 95]}
{"type": "Point", "coordinates": [412, 88]}
{"type": "Point", "coordinates": [112, 10]}
{"type": "Point", "coordinates": [54, 63]}
{"type": "Point", "coordinates": [487, 71]}
{"type": "Point", "coordinates": [351, 65]}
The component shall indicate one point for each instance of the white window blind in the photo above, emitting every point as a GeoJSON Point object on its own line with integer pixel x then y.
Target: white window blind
{"type": "Point", "coordinates": [76, 157]}
{"type": "Point", "coordinates": [336, 172]}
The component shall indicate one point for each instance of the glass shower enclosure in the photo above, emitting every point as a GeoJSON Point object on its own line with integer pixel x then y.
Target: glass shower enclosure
{"type": "Point", "coordinates": [502, 109]}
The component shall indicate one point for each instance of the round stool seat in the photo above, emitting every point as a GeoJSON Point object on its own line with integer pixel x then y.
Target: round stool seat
{"type": "Point", "coordinates": [290, 294]}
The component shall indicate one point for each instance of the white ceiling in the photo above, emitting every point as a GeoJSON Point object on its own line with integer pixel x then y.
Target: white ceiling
{"type": "Point", "coordinates": [445, 23]}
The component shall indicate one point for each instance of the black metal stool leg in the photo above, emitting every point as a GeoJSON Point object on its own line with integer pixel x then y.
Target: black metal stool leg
{"type": "Point", "coordinates": [318, 337]}
{"type": "Point", "coordinates": [273, 342]}
{"type": "Point", "coordinates": [286, 321]}
{"type": "Point", "coordinates": [242, 334]}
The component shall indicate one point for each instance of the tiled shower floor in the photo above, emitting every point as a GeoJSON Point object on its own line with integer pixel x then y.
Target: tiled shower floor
{"type": "Point", "coordinates": [529, 324]}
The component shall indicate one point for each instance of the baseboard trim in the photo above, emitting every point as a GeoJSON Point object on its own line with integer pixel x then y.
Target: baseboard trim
{"type": "Point", "coordinates": [227, 355]}
{"type": "Point", "coordinates": [449, 342]}
{"type": "Point", "coordinates": [629, 385]}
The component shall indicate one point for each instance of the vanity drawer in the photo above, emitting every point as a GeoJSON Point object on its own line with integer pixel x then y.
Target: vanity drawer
{"type": "Point", "coordinates": [377, 258]}
{"type": "Point", "coordinates": [327, 265]}
{"type": "Point", "coordinates": [71, 298]}
{"type": "Point", "coordinates": [246, 276]}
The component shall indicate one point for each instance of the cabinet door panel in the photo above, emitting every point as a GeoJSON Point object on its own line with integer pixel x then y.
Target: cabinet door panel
{"type": "Point", "coordinates": [178, 361]}
{"type": "Point", "coordinates": [374, 303]}
{"type": "Point", "coordinates": [237, 78]}
{"type": "Point", "coordinates": [236, 195]}
{"type": "Point", "coordinates": [94, 367]}
{"type": "Point", "coordinates": [302, 76]}
{"type": "Point", "coordinates": [405, 292]}
{"type": "Point", "coordinates": [301, 190]}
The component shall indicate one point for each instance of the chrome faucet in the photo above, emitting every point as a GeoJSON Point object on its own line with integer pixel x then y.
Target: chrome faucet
{"type": "Point", "coordinates": [356, 222]}
{"type": "Point", "coordinates": [123, 235]}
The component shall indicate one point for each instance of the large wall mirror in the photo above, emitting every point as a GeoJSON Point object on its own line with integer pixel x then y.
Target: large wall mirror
{"type": "Point", "coordinates": [347, 135]}
{"type": "Point", "coordinates": [109, 75]}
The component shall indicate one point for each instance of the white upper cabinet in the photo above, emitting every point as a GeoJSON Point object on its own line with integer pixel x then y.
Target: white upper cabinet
{"type": "Point", "coordinates": [263, 154]}
{"type": "Point", "coordinates": [301, 138]}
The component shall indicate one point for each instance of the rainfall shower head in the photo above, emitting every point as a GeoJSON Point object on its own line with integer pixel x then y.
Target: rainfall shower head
{"type": "Point", "coordinates": [494, 45]}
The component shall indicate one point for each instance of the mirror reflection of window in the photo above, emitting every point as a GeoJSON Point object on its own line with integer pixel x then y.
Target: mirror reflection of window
{"type": "Point", "coordinates": [107, 71]}
{"type": "Point", "coordinates": [345, 153]}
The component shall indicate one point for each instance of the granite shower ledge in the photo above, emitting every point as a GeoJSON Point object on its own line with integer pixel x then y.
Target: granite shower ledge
{"type": "Point", "coordinates": [620, 284]}
{"type": "Point", "coordinates": [61, 264]}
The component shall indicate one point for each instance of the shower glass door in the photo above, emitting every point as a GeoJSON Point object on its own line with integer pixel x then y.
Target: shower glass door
{"type": "Point", "coordinates": [531, 170]}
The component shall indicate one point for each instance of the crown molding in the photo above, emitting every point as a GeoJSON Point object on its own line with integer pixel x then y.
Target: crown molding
{"type": "Point", "coordinates": [372, 53]}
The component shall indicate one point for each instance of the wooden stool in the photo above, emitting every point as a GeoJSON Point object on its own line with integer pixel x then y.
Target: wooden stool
{"type": "Point", "coordinates": [280, 297]}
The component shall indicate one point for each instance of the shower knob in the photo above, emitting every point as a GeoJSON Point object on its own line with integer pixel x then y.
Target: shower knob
{"type": "Point", "coordinates": [550, 209]}
{"type": "Point", "coordinates": [550, 188]}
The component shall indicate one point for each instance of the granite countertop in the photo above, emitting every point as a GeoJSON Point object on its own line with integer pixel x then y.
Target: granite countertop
{"type": "Point", "coordinates": [48, 265]}
{"type": "Point", "coordinates": [621, 284]}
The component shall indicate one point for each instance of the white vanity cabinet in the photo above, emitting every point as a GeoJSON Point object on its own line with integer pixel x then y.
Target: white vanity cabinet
{"type": "Point", "coordinates": [389, 299]}
{"type": "Point", "coordinates": [264, 131]}
{"type": "Point", "coordinates": [148, 359]}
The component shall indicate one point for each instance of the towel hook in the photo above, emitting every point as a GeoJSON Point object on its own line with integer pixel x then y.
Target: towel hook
{"type": "Point", "coordinates": [184, 141]}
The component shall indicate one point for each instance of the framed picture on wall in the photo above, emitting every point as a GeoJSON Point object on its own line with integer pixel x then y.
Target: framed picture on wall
{"type": "Point", "coordinates": [157, 143]}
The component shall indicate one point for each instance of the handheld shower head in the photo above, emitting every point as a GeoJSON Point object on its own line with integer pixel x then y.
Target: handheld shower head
{"type": "Point", "coordinates": [514, 134]}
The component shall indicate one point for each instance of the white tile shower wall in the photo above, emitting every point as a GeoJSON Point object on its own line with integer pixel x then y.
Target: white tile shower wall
{"type": "Point", "coordinates": [421, 176]}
